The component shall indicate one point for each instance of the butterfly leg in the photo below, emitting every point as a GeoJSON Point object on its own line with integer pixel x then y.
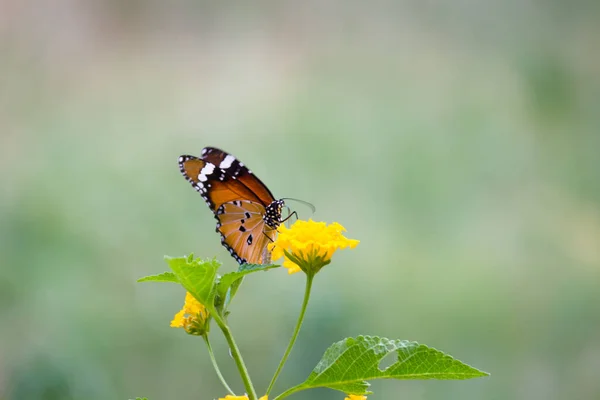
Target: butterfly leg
{"type": "Point", "coordinates": [268, 237]}
{"type": "Point", "coordinates": [290, 216]}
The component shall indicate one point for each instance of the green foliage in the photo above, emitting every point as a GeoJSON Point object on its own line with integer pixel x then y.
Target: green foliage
{"type": "Point", "coordinates": [200, 278]}
{"type": "Point", "coordinates": [230, 283]}
{"type": "Point", "coordinates": [348, 364]}
{"type": "Point", "coordinates": [164, 277]}
{"type": "Point", "coordinates": [197, 277]}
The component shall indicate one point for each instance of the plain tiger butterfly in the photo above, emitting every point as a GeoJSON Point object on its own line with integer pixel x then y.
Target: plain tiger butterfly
{"type": "Point", "coordinates": [247, 214]}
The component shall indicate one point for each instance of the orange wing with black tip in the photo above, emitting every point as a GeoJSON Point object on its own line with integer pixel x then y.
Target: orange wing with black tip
{"type": "Point", "coordinates": [247, 213]}
{"type": "Point", "coordinates": [230, 166]}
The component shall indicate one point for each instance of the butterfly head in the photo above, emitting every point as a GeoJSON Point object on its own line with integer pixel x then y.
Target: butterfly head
{"type": "Point", "coordinates": [272, 216]}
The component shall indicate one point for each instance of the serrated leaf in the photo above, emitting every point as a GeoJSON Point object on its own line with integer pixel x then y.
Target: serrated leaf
{"type": "Point", "coordinates": [164, 277]}
{"type": "Point", "coordinates": [233, 280]}
{"type": "Point", "coordinates": [197, 277]}
{"type": "Point", "coordinates": [348, 364]}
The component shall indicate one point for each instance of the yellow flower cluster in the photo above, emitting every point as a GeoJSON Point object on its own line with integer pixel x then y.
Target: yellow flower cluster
{"type": "Point", "coordinates": [355, 397]}
{"type": "Point", "coordinates": [309, 245]}
{"type": "Point", "coordinates": [192, 317]}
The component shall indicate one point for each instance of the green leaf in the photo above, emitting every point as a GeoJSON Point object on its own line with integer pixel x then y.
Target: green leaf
{"type": "Point", "coordinates": [164, 277]}
{"type": "Point", "coordinates": [197, 277]}
{"type": "Point", "coordinates": [348, 364]}
{"type": "Point", "coordinates": [247, 268]}
{"type": "Point", "coordinates": [233, 280]}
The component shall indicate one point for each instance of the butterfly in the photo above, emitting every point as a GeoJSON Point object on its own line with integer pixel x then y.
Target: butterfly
{"type": "Point", "coordinates": [247, 214]}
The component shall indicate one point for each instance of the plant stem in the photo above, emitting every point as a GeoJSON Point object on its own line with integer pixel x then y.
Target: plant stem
{"type": "Point", "coordinates": [237, 356]}
{"type": "Point", "coordinates": [214, 362]}
{"type": "Point", "coordinates": [309, 280]}
{"type": "Point", "coordinates": [288, 392]}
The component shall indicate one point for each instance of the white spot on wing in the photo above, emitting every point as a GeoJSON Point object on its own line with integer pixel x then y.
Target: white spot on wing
{"type": "Point", "coordinates": [226, 163]}
{"type": "Point", "coordinates": [206, 170]}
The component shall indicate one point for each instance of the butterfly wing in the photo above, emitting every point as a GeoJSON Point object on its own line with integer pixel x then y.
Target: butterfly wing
{"type": "Point", "coordinates": [230, 167]}
{"type": "Point", "coordinates": [243, 231]}
{"type": "Point", "coordinates": [216, 185]}
{"type": "Point", "coordinates": [238, 199]}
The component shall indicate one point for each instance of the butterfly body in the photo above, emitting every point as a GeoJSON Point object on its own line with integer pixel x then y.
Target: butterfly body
{"type": "Point", "coordinates": [247, 214]}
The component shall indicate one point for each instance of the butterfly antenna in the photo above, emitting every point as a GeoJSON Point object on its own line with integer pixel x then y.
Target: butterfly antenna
{"type": "Point", "coordinates": [306, 203]}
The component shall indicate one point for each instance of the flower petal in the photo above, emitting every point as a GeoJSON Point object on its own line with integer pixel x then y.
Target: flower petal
{"type": "Point", "coordinates": [309, 245]}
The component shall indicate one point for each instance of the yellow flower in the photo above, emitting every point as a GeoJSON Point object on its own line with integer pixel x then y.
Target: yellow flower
{"type": "Point", "coordinates": [192, 317]}
{"type": "Point", "coordinates": [309, 245]}
{"type": "Point", "coordinates": [355, 397]}
{"type": "Point", "coordinates": [230, 397]}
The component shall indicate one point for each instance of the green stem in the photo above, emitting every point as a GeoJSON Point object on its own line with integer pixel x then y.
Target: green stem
{"type": "Point", "coordinates": [237, 356]}
{"type": "Point", "coordinates": [214, 362]}
{"type": "Point", "coordinates": [309, 280]}
{"type": "Point", "coordinates": [290, 391]}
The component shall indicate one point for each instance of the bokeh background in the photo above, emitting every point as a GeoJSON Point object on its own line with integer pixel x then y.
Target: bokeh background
{"type": "Point", "coordinates": [459, 141]}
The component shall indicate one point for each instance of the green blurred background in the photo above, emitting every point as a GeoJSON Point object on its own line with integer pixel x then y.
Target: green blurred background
{"type": "Point", "coordinates": [459, 141]}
